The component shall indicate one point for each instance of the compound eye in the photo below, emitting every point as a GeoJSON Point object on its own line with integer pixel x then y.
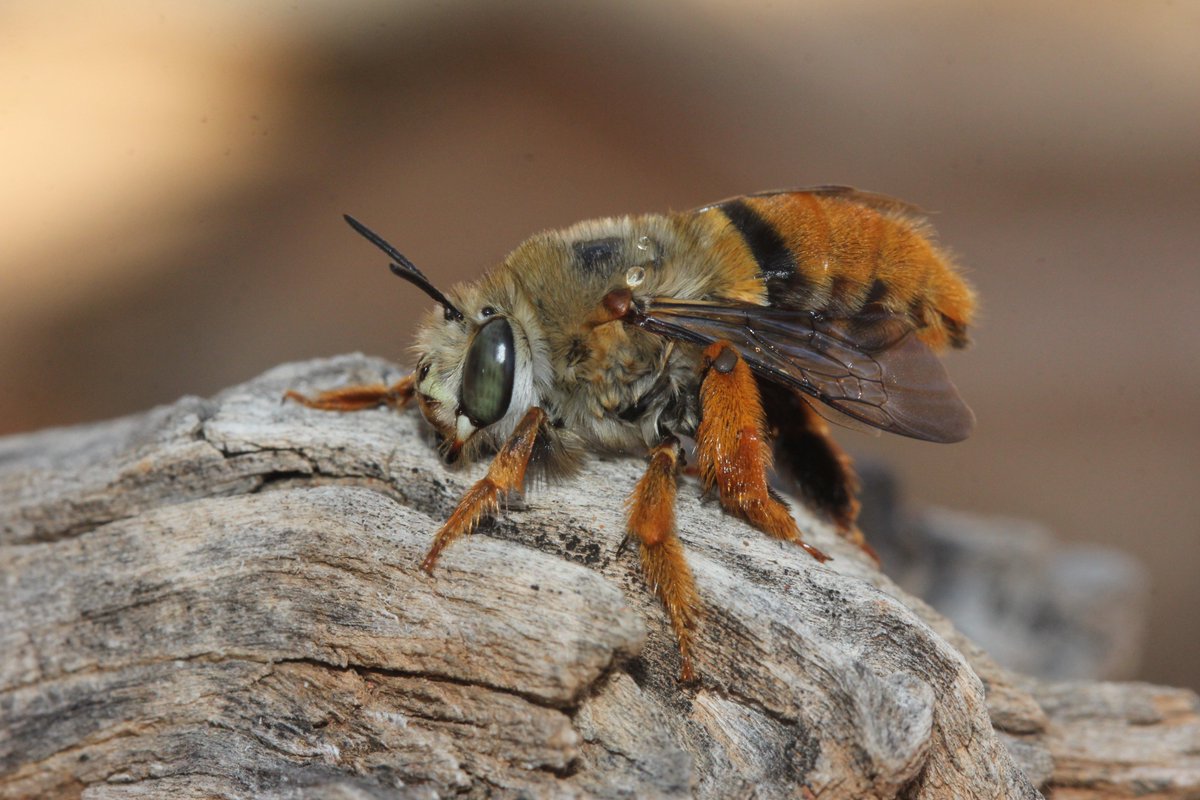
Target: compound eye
{"type": "Point", "coordinates": [488, 373]}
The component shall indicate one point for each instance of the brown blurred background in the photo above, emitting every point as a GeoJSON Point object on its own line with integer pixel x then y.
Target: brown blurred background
{"type": "Point", "coordinates": [174, 177]}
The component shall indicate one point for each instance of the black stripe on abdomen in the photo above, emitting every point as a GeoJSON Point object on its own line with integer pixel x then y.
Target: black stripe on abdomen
{"type": "Point", "coordinates": [776, 262]}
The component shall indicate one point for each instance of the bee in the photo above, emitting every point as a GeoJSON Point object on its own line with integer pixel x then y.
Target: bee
{"type": "Point", "coordinates": [744, 325]}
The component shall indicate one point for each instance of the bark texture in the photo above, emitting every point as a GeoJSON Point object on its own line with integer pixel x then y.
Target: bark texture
{"type": "Point", "coordinates": [221, 598]}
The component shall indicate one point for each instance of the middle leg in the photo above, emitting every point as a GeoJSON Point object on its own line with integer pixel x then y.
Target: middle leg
{"type": "Point", "coordinates": [652, 521]}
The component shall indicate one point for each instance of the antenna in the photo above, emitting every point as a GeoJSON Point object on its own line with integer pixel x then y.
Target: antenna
{"type": "Point", "coordinates": [405, 268]}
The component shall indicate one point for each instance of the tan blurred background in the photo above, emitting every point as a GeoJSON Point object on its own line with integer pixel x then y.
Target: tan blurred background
{"type": "Point", "coordinates": [174, 176]}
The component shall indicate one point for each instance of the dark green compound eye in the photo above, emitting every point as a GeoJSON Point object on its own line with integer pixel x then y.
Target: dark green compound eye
{"type": "Point", "coordinates": [488, 373]}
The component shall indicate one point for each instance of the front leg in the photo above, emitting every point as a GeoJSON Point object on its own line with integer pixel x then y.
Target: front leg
{"type": "Point", "coordinates": [732, 448]}
{"type": "Point", "coordinates": [506, 474]}
{"type": "Point", "coordinates": [357, 398]}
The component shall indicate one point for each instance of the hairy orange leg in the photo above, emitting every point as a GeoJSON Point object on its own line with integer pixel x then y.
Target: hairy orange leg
{"type": "Point", "coordinates": [838, 477]}
{"type": "Point", "coordinates": [506, 474]}
{"type": "Point", "coordinates": [357, 398]}
{"type": "Point", "coordinates": [732, 448]}
{"type": "Point", "coordinates": [652, 520]}
{"type": "Point", "coordinates": [818, 468]}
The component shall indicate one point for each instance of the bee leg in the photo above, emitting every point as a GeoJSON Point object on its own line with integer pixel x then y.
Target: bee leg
{"type": "Point", "coordinates": [652, 520]}
{"type": "Point", "coordinates": [357, 398]}
{"type": "Point", "coordinates": [505, 475]}
{"type": "Point", "coordinates": [807, 455]}
{"type": "Point", "coordinates": [732, 448]}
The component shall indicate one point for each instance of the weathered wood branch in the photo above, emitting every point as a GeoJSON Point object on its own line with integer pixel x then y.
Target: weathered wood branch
{"type": "Point", "coordinates": [221, 598]}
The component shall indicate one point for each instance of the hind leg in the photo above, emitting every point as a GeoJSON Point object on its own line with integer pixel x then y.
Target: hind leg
{"type": "Point", "coordinates": [732, 447]}
{"type": "Point", "coordinates": [812, 462]}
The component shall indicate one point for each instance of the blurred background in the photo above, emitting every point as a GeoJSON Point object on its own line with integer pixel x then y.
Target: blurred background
{"type": "Point", "coordinates": [174, 177]}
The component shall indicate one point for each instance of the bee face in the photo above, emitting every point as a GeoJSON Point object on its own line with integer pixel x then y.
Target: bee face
{"type": "Point", "coordinates": [469, 371]}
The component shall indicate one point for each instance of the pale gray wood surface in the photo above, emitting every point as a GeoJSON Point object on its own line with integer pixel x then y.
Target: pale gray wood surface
{"type": "Point", "coordinates": [221, 598]}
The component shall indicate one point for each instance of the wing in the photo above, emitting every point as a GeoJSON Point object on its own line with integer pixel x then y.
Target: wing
{"type": "Point", "coordinates": [870, 367]}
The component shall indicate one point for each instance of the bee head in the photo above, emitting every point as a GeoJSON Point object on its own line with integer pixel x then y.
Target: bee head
{"type": "Point", "coordinates": [474, 370]}
{"type": "Point", "coordinates": [468, 373]}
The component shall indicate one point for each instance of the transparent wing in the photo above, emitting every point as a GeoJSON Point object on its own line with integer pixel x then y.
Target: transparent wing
{"type": "Point", "coordinates": [870, 367]}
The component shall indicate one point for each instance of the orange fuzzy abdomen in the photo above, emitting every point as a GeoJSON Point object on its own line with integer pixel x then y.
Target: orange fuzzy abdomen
{"type": "Point", "coordinates": [839, 252]}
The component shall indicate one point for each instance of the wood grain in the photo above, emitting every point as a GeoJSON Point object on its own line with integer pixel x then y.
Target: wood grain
{"type": "Point", "coordinates": [221, 598]}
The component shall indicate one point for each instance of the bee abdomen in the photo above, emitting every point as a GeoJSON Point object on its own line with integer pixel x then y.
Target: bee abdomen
{"type": "Point", "coordinates": [775, 259]}
{"type": "Point", "coordinates": [838, 251]}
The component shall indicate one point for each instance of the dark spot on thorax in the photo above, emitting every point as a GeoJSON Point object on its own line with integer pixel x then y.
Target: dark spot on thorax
{"type": "Point", "coordinates": [597, 256]}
